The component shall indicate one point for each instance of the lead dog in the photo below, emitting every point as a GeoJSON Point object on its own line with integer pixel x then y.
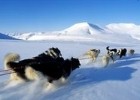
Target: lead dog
{"type": "Point", "coordinates": [131, 51]}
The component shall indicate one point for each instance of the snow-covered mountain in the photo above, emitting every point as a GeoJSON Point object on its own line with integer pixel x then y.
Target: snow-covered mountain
{"type": "Point", "coordinates": [125, 28]}
{"type": "Point", "coordinates": [3, 36]}
{"type": "Point", "coordinates": [128, 28]}
{"type": "Point", "coordinates": [90, 31]}
{"type": "Point", "coordinates": [83, 29]}
{"type": "Point", "coordinates": [79, 29]}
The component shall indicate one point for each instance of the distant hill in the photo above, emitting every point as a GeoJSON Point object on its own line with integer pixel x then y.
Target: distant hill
{"type": "Point", "coordinates": [3, 36]}
{"type": "Point", "coordinates": [83, 29]}
{"type": "Point", "coordinates": [77, 30]}
{"type": "Point", "coordinates": [115, 31]}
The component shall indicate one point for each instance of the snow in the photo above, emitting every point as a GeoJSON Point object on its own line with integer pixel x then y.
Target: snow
{"type": "Point", "coordinates": [85, 29]}
{"type": "Point", "coordinates": [120, 80]}
{"type": "Point", "coordinates": [125, 28]}
{"type": "Point", "coordinates": [3, 36]}
{"type": "Point", "coordinates": [92, 81]}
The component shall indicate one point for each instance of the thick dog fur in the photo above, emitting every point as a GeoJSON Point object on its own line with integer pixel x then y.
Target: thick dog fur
{"type": "Point", "coordinates": [122, 52]}
{"type": "Point", "coordinates": [112, 53]}
{"type": "Point", "coordinates": [105, 60]}
{"type": "Point", "coordinates": [11, 58]}
{"type": "Point", "coordinates": [93, 54]}
{"type": "Point", "coordinates": [53, 68]}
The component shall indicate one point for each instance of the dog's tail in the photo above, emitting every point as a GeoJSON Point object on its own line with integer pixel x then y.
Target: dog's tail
{"type": "Point", "coordinates": [10, 57]}
{"type": "Point", "coordinates": [107, 48]}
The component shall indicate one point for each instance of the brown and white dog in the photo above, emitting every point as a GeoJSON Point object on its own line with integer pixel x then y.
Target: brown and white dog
{"type": "Point", "coordinates": [105, 60]}
{"type": "Point", "coordinates": [92, 54]}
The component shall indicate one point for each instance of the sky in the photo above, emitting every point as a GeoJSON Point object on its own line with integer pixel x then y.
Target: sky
{"type": "Point", "coordinates": [55, 15]}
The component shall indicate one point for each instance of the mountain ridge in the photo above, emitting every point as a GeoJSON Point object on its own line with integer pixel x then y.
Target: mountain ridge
{"type": "Point", "coordinates": [86, 29]}
{"type": "Point", "coordinates": [3, 36]}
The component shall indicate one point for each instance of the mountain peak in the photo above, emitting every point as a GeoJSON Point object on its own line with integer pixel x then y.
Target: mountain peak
{"type": "Point", "coordinates": [83, 28]}
{"type": "Point", "coordinates": [82, 24]}
{"type": "Point", "coordinates": [86, 24]}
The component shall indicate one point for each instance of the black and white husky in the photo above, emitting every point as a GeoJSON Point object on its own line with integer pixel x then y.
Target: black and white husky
{"type": "Point", "coordinates": [122, 52]}
{"type": "Point", "coordinates": [13, 59]}
{"type": "Point", "coordinates": [53, 68]}
{"type": "Point", "coordinates": [111, 53]}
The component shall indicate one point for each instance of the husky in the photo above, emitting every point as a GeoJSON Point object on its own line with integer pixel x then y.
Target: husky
{"type": "Point", "coordinates": [105, 60]}
{"type": "Point", "coordinates": [131, 51]}
{"type": "Point", "coordinates": [122, 52]}
{"type": "Point", "coordinates": [92, 53]}
{"type": "Point", "coordinates": [17, 72]}
{"type": "Point", "coordinates": [112, 53]}
{"type": "Point", "coordinates": [52, 68]}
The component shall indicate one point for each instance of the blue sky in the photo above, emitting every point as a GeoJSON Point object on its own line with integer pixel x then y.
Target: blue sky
{"type": "Point", "coordinates": [54, 15]}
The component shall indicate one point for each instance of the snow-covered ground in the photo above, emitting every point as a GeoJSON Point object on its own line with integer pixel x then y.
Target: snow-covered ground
{"type": "Point", "coordinates": [119, 81]}
{"type": "Point", "coordinates": [92, 81]}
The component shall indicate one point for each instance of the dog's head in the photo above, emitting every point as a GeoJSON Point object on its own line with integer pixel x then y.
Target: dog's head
{"type": "Point", "coordinates": [69, 65]}
{"type": "Point", "coordinates": [95, 50]}
{"type": "Point", "coordinates": [75, 63]}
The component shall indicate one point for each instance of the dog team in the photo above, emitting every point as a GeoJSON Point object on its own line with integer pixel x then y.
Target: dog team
{"type": "Point", "coordinates": [51, 65]}
{"type": "Point", "coordinates": [111, 54]}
